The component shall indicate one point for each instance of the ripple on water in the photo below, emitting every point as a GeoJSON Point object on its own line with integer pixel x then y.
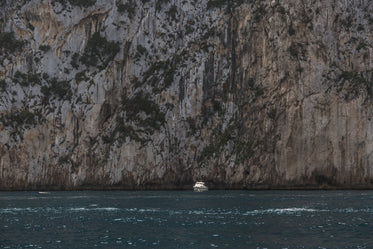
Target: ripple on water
{"type": "Point", "coordinates": [228, 224]}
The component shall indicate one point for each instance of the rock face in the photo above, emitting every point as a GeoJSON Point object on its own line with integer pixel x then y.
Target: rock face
{"type": "Point", "coordinates": [139, 94]}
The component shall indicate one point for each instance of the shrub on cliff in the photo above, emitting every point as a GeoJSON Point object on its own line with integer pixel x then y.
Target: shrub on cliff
{"type": "Point", "coordinates": [99, 52]}
{"type": "Point", "coordinates": [8, 43]}
{"type": "Point", "coordinates": [81, 3]}
{"type": "Point", "coordinates": [216, 3]}
{"type": "Point", "coordinates": [17, 121]}
{"type": "Point", "coordinates": [159, 3]}
{"type": "Point", "coordinates": [3, 85]}
{"type": "Point", "coordinates": [129, 7]}
{"type": "Point", "coordinates": [58, 89]}
{"type": "Point", "coordinates": [141, 103]}
{"type": "Point", "coordinates": [25, 80]}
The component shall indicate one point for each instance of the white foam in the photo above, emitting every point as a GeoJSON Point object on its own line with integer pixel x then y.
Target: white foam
{"type": "Point", "coordinates": [280, 211]}
{"type": "Point", "coordinates": [83, 209]}
{"type": "Point", "coordinates": [18, 210]}
{"type": "Point", "coordinates": [151, 210]}
{"type": "Point", "coordinates": [77, 209]}
{"type": "Point", "coordinates": [109, 209]}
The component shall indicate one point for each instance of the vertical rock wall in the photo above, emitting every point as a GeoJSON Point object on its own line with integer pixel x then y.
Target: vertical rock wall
{"type": "Point", "coordinates": [159, 94]}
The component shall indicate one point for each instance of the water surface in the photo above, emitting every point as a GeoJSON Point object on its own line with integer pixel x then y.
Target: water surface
{"type": "Point", "coordinates": [184, 219]}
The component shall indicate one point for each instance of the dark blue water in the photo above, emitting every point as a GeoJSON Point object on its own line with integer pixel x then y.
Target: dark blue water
{"type": "Point", "coordinates": [183, 219]}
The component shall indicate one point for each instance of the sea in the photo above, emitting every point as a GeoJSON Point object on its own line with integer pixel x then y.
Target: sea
{"type": "Point", "coordinates": [186, 219]}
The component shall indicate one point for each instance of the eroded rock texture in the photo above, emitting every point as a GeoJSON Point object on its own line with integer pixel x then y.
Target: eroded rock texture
{"type": "Point", "coordinates": [158, 94]}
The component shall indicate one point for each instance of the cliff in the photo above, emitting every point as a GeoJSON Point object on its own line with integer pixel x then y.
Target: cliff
{"type": "Point", "coordinates": [139, 94]}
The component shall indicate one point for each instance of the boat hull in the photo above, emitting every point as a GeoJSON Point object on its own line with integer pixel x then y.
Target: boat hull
{"type": "Point", "coordinates": [200, 189]}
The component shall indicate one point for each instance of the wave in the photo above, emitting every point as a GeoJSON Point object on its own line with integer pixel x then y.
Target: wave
{"type": "Point", "coordinates": [294, 210]}
{"type": "Point", "coordinates": [280, 211]}
{"type": "Point", "coordinates": [84, 209]}
{"type": "Point", "coordinates": [197, 212]}
{"type": "Point", "coordinates": [54, 210]}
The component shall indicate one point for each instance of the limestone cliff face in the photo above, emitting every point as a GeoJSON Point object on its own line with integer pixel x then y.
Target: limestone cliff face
{"type": "Point", "coordinates": [159, 94]}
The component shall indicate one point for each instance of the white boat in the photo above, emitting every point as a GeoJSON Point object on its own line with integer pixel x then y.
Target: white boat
{"type": "Point", "coordinates": [200, 187]}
